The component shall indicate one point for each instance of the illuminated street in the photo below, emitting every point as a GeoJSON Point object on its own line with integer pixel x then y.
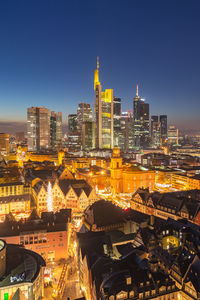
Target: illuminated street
{"type": "Point", "coordinates": [122, 200]}
{"type": "Point", "coordinates": [72, 288]}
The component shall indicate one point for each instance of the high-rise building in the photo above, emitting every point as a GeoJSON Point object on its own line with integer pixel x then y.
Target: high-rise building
{"type": "Point", "coordinates": [88, 135]}
{"type": "Point", "coordinates": [141, 122]}
{"type": "Point", "coordinates": [59, 132]}
{"type": "Point", "coordinates": [4, 144]}
{"type": "Point", "coordinates": [126, 136]}
{"type": "Point", "coordinates": [116, 120]}
{"type": "Point", "coordinates": [163, 122]}
{"type": "Point", "coordinates": [53, 129]}
{"type": "Point", "coordinates": [155, 131]}
{"type": "Point", "coordinates": [72, 122]}
{"type": "Point", "coordinates": [84, 114]}
{"type": "Point", "coordinates": [172, 135]}
{"type": "Point", "coordinates": [153, 120]}
{"type": "Point", "coordinates": [103, 114]}
{"type": "Point", "coordinates": [56, 129]}
{"type": "Point", "coordinates": [74, 138]}
{"type": "Point", "coordinates": [38, 128]}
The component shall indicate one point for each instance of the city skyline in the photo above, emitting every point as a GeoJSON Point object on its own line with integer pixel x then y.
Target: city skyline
{"type": "Point", "coordinates": [47, 59]}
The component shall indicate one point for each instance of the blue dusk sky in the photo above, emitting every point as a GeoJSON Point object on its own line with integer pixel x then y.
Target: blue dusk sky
{"type": "Point", "coordinates": [48, 53]}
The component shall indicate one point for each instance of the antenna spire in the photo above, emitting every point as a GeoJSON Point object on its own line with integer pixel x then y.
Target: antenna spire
{"type": "Point", "coordinates": [137, 91]}
{"type": "Point", "coordinates": [97, 62]}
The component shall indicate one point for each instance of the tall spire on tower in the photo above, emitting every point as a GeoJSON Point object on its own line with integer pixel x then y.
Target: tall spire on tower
{"type": "Point", "coordinates": [96, 74]}
{"type": "Point", "coordinates": [137, 91]}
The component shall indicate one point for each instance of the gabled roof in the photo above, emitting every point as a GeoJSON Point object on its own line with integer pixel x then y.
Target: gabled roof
{"type": "Point", "coordinates": [77, 185]}
{"type": "Point", "coordinates": [16, 198]}
{"type": "Point", "coordinates": [106, 213]}
{"type": "Point", "coordinates": [193, 273]}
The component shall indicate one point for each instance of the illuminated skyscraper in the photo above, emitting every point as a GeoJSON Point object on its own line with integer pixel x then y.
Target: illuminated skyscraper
{"type": "Point", "coordinates": [163, 122]}
{"type": "Point", "coordinates": [72, 122]}
{"type": "Point", "coordinates": [155, 131]}
{"type": "Point", "coordinates": [126, 136]}
{"type": "Point", "coordinates": [74, 138]}
{"type": "Point", "coordinates": [172, 135]}
{"type": "Point", "coordinates": [103, 114]}
{"type": "Point", "coordinates": [141, 122]}
{"type": "Point", "coordinates": [88, 135]}
{"type": "Point", "coordinates": [153, 120]}
{"type": "Point", "coordinates": [116, 117]}
{"type": "Point", "coordinates": [84, 114]}
{"type": "Point", "coordinates": [4, 144]}
{"type": "Point", "coordinates": [38, 128]}
{"type": "Point", "coordinates": [56, 129]}
{"type": "Point", "coordinates": [53, 129]}
{"type": "Point", "coordinates": [59, 132]}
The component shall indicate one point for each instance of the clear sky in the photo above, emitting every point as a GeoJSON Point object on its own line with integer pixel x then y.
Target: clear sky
{"type": "Point", "coordinates": [48, 54]}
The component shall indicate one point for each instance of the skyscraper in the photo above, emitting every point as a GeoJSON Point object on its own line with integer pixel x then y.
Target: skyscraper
{"type": "Point", "coordinates": [163, 122]}
{"type": "Point", "coordinates": [38, 128]}
{"type": "Point", "coordinates": [59, 132]}
{"type": "Point", "coordinates": [4, 144]}
{"type": "Point", "coordinates": [84, 114]}
{"type": "Point", "coordinates": [153, 120]}
{"type": "Point", "coordinates": [103, 114]}
{"type": "Point", "coordinates": [72, 122]}
{"type": "Point", "coordinates": [88, 135]}
{"type": "Point", "coordinates": [74, 139]}
{"type": "Point", "coordinates": [155, 131]}
{"type": "Point", "coordinates": [56, 129]}
{"type": "Point", "coordinates": [53, 129]}
{"type": "Point", "coordinates": [126, 136]}
{"type": "Point", "coordinates": [141, 122]}
{"type": "Point", "coordinates": [116, 121]}
{"type": "Point", "coordinates": [172, 135]}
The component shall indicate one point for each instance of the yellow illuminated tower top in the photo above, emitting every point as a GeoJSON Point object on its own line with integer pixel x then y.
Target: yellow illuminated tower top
{"type": "Point", "coordinates": [96, 75]}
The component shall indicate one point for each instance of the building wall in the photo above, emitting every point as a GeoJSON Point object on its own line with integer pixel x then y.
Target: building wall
{"type": "Point", "coordinates": [52, 246]}
{"type": "Point", "coordinates": [177, 181]}
{"type": "Point", "coordinates": [71, 200]}
{"type": "Point", "coordinates": [13, 189]}
{"type": "Point", "coordinates": [134, 180]}
{"type": "Point", "coordinates": [15, 207]}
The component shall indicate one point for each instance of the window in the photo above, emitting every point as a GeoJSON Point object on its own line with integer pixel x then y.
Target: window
{"type": "Point", "coordinates": [140, 295]}
{"type": "Point", "coordinates": [131, 294]}
{"type": "Point", "coordinates": [147, 293]}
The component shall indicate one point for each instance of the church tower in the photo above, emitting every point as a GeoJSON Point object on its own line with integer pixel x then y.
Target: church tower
{"type": "Point", "coordinates": [116, 169]}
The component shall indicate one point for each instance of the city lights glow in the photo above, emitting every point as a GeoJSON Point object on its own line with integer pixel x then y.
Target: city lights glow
{"type": "Point", "coordinates": [49, 197]}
